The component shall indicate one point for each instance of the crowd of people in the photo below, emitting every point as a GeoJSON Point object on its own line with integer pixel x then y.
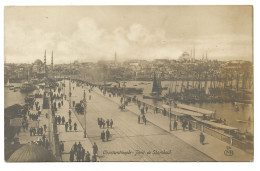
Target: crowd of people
{"type": "Point", "coordinates": [102, 123]}
{"type": "Point", "coordinates": [78, 153]}
{"type": "Point", "coordinates": [68, 125]}
{"type": "Point", "coordinates": [59, 120]}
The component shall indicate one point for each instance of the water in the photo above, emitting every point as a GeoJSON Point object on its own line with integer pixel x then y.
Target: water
{"type": "Point", "coordinates": [223, 110]}
{"type": "Point", "coordinates": [12, 97]}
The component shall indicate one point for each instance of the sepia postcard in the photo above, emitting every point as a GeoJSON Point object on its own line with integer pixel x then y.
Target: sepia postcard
{"type": "Point", "coordinates": [128, 83]}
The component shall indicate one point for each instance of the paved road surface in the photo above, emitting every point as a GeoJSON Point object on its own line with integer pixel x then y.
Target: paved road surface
{"type": "Point", "coordinates": [131, 140]}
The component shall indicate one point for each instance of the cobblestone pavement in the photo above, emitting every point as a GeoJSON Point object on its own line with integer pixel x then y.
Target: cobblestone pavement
{"type": "Point", "coordinates": [131, 141]}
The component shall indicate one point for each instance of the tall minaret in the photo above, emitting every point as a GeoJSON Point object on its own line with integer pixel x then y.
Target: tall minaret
{"type": "Point", "coordinates": [115, 58]}
{"type": "Point", "coordinates": [193, 52]}
{"type": "Point", "coordinates": [52, 60]}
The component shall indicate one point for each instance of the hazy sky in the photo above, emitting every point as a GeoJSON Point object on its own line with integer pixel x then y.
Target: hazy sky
{"type": "Point", "coordinates": [91, 33]}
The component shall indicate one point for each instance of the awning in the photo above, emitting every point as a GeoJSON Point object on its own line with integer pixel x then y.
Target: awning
{"type": "Point", "coordinates": [195, 109]}
{"type": "Point", "coordinates": [181, 112]}
{"type": "Point", "coordinates": [216, 125]}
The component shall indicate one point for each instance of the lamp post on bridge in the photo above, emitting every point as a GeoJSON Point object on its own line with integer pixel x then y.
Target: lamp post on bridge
{"type": "Point", "coordinates": [170, 115]}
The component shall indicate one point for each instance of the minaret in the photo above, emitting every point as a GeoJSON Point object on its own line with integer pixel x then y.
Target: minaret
{"type": "Point", "coordinates": [193, 52]}
{"type": "Point", "coordinates": [52, 60]}
{"type": "Point", "coordinates": [115, 58]}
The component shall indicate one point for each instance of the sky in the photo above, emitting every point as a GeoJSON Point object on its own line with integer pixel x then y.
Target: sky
{"type": "Point", "coordinates": [92, 33]}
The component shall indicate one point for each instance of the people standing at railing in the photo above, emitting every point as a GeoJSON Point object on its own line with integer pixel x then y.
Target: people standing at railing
{"type": "Point", "coordinates": [175, 125]}
{"type": "Point", "coordinates": [146, 108]}
{"type": "Point", "coordinates": [190, 126]}
{"type": "Point", "coordinates": [202, 138]}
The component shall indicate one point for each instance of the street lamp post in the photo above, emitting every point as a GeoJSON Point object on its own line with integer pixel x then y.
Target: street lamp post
{"type": "Point", "coordinates": [85, 106]}
{"type": "Point", "coordinates": [170, 115]}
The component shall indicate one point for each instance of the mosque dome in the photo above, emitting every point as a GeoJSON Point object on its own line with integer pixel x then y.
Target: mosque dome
{"type": "Point", "coordinates": [37, 62]}
{"type": "Point", "coordinates": [31, 153]}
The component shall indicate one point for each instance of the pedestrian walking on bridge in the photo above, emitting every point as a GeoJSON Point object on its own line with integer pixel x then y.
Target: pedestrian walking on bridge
{"type": "Point", "coordinates": [111, 123]}
{"type": "Point", "coordinates": [103, 135]}
{"type": "Point", "coordinates": [95, 149]}
{"type": "Point", "coordinates": [66, 126]}
{"type": "Point", "coordinates": [202, 138]}
{"type": "Point", "coordinates": [107, 134]}
{"type": "Point", "coordinates": [175, 124]}
{"type": "Point", "coordinates": [71, 155]}
{"type": "Point", "coordinates": [63, 120]}
{"type": "Point", "coordinates": [107, 123]}
{"type": "Point", "coordinates": [75, 126]}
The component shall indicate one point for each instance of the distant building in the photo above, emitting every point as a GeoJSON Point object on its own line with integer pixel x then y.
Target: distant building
{"type": "Point", "coordinates": [185, 57]}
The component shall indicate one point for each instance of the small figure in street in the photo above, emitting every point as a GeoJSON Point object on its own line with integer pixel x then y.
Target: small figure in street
{"type": "Point", "coordinates": [190, 127]}
{"type": "Point", "coordinates": [44, 127]}
{"type": "Point", "coordinates": [31, 131]}
{"type": "Point", "coordinates": [70, 127]}
{"type": "Point", "coordinates": [107, 123]}
{"type": "Point", "coordinates": [82, 154]}
{"type": "Point", "coordinates": [103, 124]}
{"type": "Point", "coordinates": [43, 137]}
{"type": "Point", "coordinates": [107, 134]}
{"type": "Point", "coordinates": [184, 125]}
{"type": "Point", "coordinates": [78, 156]}
{"type": "Point", "coordinates": [69, 113]}
{"type": "Point", "coordinates": [146, 109]}
{"type": "Point", "coordinates": [61, 147]}
{"type": "Point", "coordinates": [71, 155]}
{"type": "Point", "coordinates": [139, 119]}
{"type": "Point", "coordinates": [66, 126]}
{"type": "Point", "coordinates": [63, 120]}
{"type": "Point", "coordinates": [79, 147]}
{"type": "Point", "coordinates": [75, 147]}
{"type": "Point", "coordinates": [75, 126]}
{"type": "Point", "coordinates": [98, 119]}
{"type": "Point", "coordinates": [88, 157]}
{"type": "Point", "coordinates": [145, 120]}
{"type": "Point", "coordinates": [95, 149]}
{"type": "Point", "coordinates": [103, 135]}
{"type": "Point", "coordinates": [111, 123]}
{"type": "Point", "coordinates": [175, 124]}
{"type": "Point", "coordinates": [202, 138]}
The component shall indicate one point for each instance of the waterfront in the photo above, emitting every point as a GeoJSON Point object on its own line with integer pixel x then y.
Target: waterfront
{"type": "Point", "coordinates": [238, 119]}
{"type": "Point", "coordinates": [223, 110]}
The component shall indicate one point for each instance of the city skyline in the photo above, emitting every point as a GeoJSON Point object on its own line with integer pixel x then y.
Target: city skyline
{"type": "Point", "coordinates": [93, 33]}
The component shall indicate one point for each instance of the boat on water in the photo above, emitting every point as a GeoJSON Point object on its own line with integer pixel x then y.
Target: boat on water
{"type": "Point", "coordinates": [11, 87]}
{"type": "Point", "coordinates": [27, 87]}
